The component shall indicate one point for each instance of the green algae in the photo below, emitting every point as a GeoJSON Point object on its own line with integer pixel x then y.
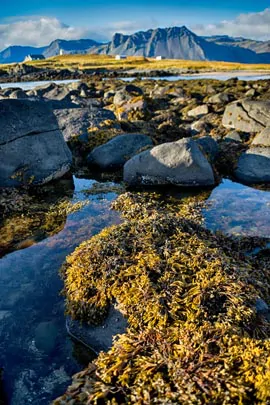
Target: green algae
{"type": "Point", "coordinates": [189, 296]}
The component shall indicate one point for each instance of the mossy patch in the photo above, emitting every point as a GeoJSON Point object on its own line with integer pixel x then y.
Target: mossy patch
{"type": "Point", "coordinates": [189, 296]}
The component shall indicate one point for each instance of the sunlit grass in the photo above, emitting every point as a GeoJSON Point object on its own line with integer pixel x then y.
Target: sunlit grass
{"type": "Point", "coordinates": [138, 62]}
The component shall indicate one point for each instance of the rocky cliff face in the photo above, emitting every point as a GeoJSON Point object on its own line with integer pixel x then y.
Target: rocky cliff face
{"type": "Point", "coordinates": [176, 43]}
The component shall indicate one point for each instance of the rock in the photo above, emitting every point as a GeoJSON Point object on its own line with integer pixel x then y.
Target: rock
{"type": "Point", "coordinates": [126, 93]}
{"type": "Point", "coordinates": [233, 136]}
{"type": "Point", "coordinates": [180, 163]}
{"type": "Point", "coordinates": [99, 337]}
{"type": "Point", "coordinates": [220, 98]}
{"type": "Point", "coordinates": [77, 121]}
{"type": "Point", "coordinates": [32, 147]}
{"type": "Point", "coordinates": [45, 336]}
{"type": "Point", "coordinates": [198, 111]}
{"type": "Point", "coordinates": [134, 104]}
{"type": "Point", "coordinates": [17, 94]}
{"type": "Point", "coordinates": [39, 91]}
{"type": "Point", "coordinates": [209, 147]}
{"type": "Point", "coordinates": [109, 94]}
{"type": "Point", "coordinates": [254, 165]}
{"type": "Point", "coordinates": [247, 115]}
{"type": "Point", "coordinates": [251, 93]}
{"type": "Point", "coordinates": [262, 139]}
{"type": "Point", "coordinates": [118, 150]}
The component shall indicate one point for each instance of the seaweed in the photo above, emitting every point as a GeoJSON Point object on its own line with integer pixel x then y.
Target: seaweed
{"type": "Point", "coordinates": [195, 335]}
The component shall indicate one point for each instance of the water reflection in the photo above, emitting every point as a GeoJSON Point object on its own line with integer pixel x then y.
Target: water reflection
{"type": "Point", "coordinates": [239, 210]}
{"type": "Point", "coordinates": [34, 348]}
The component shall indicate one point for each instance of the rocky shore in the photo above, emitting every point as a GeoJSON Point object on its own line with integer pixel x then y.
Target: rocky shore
{"type": "Point", "coordinates": [196, 305]}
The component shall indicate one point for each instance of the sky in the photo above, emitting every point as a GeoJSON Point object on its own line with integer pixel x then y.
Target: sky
{"type": "Point", "coordinates": [38, 22]}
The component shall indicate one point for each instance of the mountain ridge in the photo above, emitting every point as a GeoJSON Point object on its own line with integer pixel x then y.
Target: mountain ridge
{"type": "Point", "coordinates": [171, 43]}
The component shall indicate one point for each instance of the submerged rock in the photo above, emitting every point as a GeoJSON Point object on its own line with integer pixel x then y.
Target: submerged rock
{"type": "Point", "coordinates": [117, 151]}
{"type": "Point", "coordinates": [32, 147]}
{"type": "Point", "coordinates": [180, 163]}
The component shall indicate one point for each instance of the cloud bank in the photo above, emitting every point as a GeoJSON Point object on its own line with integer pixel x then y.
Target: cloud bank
{"type": "Point", "coordinates": [40, 31]}
{"type": "Point", "coordinates": [251, 25]}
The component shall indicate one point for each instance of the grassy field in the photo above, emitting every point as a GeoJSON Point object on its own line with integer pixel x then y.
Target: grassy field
{"type": "Point", "coordinates": [109, 62]}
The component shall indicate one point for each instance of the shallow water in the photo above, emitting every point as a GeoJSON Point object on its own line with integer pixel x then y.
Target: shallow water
{"type": "Point", "coordinates": [221, 77]}
{"type": "Point", "coordinates": [236, 209]}
{"type": "Point", "coordinates": [36, 352]}
{"type": "Point", "coordinates": [32, 85]}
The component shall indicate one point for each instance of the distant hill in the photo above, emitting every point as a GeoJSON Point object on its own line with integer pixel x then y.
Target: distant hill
{"type": "Point", "coordinates": [260, 47]}
{"type": "Point", "coordinates": [179, 43]}
{"type": "Point", "coordinates": [18, 53]}
{"type": "Point", "coordinates": [74, 46]}
{"type": "Point", "coordinates": [171, 43]}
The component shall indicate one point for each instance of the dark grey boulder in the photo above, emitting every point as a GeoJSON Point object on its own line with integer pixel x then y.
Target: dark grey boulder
{"type": "Point", "coordinates": [118, 150]}
{"type": "Point", "coordinates": [32, 148]}
{"type": "Point", "coordinates": [181, 163]}
{"type": "Point", "coordinates": [77, 121]}
{"type": "Point", "coordinates": [209, 146]}
{"type": "Point", "coordinates": [254, 165]}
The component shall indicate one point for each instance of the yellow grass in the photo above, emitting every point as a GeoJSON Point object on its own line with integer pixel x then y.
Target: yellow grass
{"type": "Point", "coordinates": [109, 62]}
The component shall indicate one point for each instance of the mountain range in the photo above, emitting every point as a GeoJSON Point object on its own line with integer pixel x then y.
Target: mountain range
{"type": "Point", "coordinates": [171, 43]}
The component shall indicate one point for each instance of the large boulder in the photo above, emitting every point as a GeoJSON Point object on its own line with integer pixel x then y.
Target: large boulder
{"type": "Point", "coordinates": [247, 115]}
{"type": "Point", "coordinates": [118, 150]}
{"type": "Point", "coordinates": [78, 121]}
{"type": "Point", "coordinates": [32, 148]}
{"type": "Point", "coordinates": [254, 165]}
{"type": "Point", "coordinates": [181, 163]}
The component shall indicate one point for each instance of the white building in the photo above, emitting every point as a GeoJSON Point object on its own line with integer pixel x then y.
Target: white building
{"type": "Point", "coordinates": [33, 57]}
{"type": "Point", "coordinates": [160, 57]}
{"type": "Point", "coordinates": [119, 57]}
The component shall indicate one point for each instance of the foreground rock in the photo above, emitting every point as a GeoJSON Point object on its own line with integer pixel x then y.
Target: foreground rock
{"type": "Point", "coordinates": [181, 163]}
{"type": "Point", "coordinates": [247, 115]}
{"type": "Point", "coordinates": [117, 151]}
{"type": "Point", "coordinates": [32, 147]}
{"type": "Point", "coordinates": [254, 165]}
{"type": "Point", "coordinates": [78, 121]}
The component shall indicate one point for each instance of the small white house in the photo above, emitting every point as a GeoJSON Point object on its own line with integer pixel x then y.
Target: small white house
{"type": "Point", "coordinates": [33, 57]}
{"type": "Point", "coordinates": [160, 57]}
{"type": "Point", "coordinates": [120, 57]}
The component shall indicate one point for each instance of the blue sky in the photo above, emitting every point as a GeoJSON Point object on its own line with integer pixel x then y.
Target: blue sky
{"type": "Point", "coordinates": [35, 22]}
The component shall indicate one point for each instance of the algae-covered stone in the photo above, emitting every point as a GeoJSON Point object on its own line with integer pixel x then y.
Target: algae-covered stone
{"type": "Point", "coordinates": [181, 163]}
{"type": "Point", "coordinates": [117, 151]}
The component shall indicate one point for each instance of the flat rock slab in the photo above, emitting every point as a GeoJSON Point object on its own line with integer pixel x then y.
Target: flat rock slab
{"type": "Point", "coordinates": [247, 115]}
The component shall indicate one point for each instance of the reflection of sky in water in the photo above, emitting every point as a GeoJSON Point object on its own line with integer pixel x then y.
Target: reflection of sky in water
{"type": "Point", "coordinates": [29, 296]}
{"type": "Point", "coordinates": [238, 209]}
{"type": "Point", "coordinates": [221, 77]}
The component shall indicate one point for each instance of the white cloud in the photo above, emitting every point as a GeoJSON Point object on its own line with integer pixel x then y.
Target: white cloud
{"type": "Point", "coordinates": [40, 31]}
{"type": "Point", "coordinates": [250, 25]}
